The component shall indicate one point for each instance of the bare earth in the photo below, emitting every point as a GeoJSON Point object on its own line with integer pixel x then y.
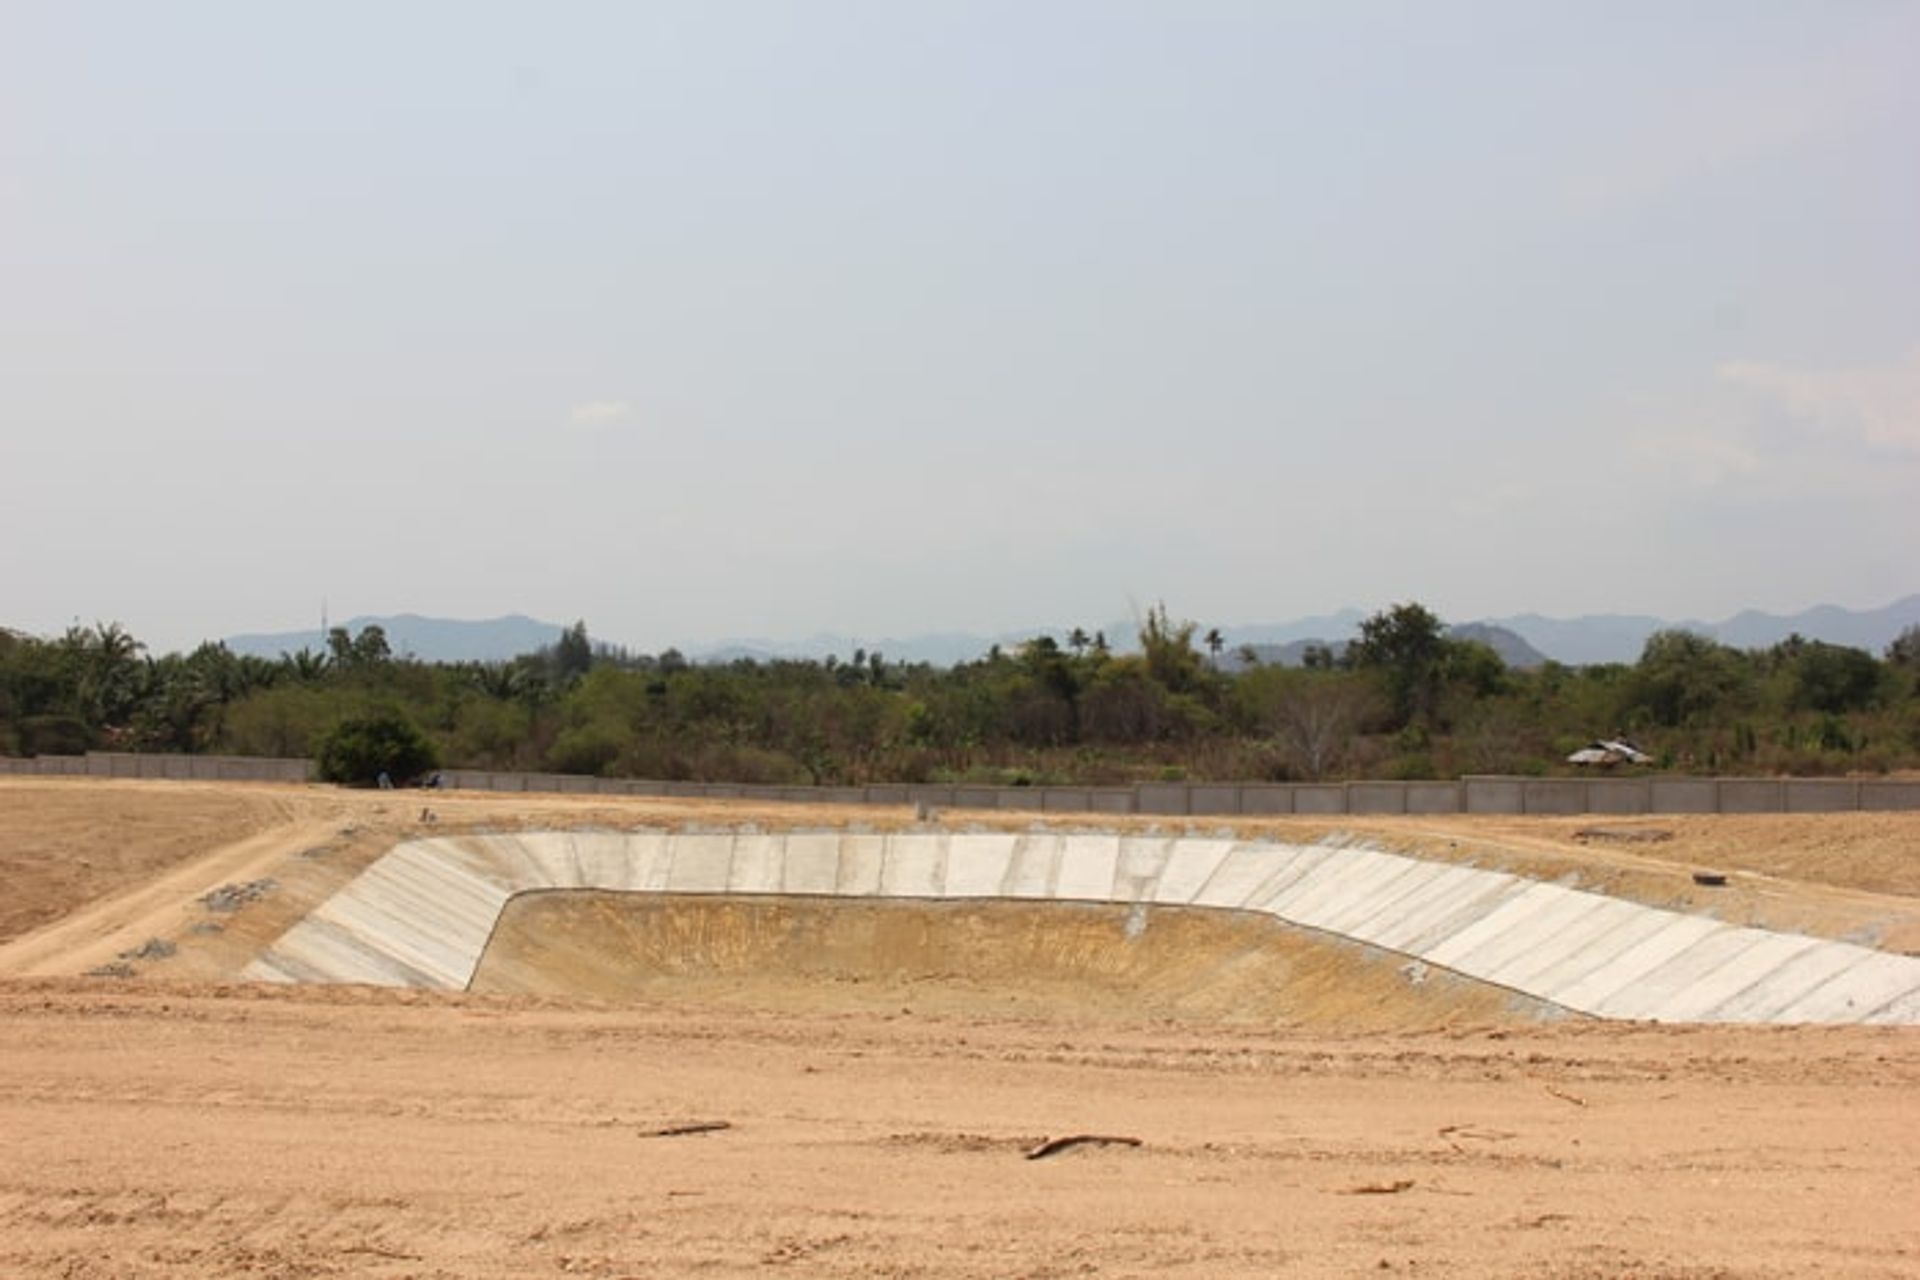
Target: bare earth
{"type": "Point", "coordinates": [1325, 1120]}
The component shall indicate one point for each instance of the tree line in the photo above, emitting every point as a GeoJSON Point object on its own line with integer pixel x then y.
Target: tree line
{"type": "Point", "coordinates": [1404, 700]}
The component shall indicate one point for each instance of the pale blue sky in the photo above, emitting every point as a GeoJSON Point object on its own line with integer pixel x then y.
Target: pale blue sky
{"type": "Point", "coordinates": [716, 319]}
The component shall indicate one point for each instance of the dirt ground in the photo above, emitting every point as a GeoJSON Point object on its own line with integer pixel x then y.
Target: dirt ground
{"type": "Point", "coordinates": [174, 1124]}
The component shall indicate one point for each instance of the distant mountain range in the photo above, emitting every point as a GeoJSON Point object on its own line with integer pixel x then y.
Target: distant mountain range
{"type": "Point", "coordinates": [430, 639]}
{"type": "Point", "coordinates": [1523, 640]}
{"type": "Point", "coordinates": [1513, 650]}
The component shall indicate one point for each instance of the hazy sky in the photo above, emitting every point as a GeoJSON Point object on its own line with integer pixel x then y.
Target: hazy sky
{"type": "Point", "coordinates": [712, 319]}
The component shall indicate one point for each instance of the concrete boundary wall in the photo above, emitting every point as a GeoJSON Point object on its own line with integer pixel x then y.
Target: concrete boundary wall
{"type": "Point", "coordinates": [156, 765]}
{"type": "Point", "coordinates": [1601, 795]}
{"type": "Point", "coordinates": [421, 916]}
{"type": "Point", "coordinates": [1646, 794]}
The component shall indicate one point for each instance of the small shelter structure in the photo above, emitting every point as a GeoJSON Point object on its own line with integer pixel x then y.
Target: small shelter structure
{"type": "Point", "coordinates": [1608, 752]}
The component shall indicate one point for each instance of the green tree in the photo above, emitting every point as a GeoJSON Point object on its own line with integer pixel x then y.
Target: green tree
{"type": "Point", "coordinates": [1833, 678]}
{"type": "Point", "coordinates": [1684, 678]}
{"type": "Point", "coordinates": [573, 654]}
{"type": "Point", "coordinates": [1168, 648]}
{"type": "Point", "coordinates": [360, 748]}
{"type": "Point", "coordinates": [1407, 646]}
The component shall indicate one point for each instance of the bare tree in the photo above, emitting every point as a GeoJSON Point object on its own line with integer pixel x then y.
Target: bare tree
{"type": "Point", "coordinates": [1314, 720]}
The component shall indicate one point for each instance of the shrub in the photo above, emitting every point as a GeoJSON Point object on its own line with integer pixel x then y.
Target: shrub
{"type": "Point", "coordinates": [360, 748]}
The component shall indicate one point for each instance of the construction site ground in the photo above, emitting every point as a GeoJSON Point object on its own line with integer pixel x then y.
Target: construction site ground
{"type": "Point", "coordinates": [748, 1084]}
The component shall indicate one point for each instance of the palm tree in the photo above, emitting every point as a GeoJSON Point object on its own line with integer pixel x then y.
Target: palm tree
{"type": "Point", "coordinates": [1078, 640]}
{"type": "Point", "coordinates": [1215, 642]}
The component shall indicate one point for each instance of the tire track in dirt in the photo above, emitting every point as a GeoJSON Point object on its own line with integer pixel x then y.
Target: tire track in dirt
{"type": "Point", "coordinates": [97, 933]}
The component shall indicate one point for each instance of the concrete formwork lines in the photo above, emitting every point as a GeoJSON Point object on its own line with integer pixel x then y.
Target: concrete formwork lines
{"type": "Point", "coordinates": [759, 864]}
{"type": "Point", "coordinates": [1293, 866]}
{"type": "Point", "coordinates": [1585, 957]}
{"type": "Point", "coordinates": [1347, 878]}
{"type": "Point", "coordinates": [1361, 906]}
{"type": "Point", "coordinates": [1755, 968]}
{"type": "Point", "coordinates": [1793, 981]}
{"type": "Point", "coordinates": [1581, 933]}
{"type": "Point", "coordinates": [977, 865]}
{"type": "Point", "coordinates": [1457, 902]}
{"type": "Point", "coordinates": [1087, 866]}
{"type": "Point", "coordinates": [1032, 868]}
{"type": "Point", "coordinates": [1542, 931]}
{"type": "Point", "coordinates": [1243, 870]}
{"type": "Point", "coordinates": [1675, 934]}
{"type": "Point", "coordinates": [1902, 1011]}
{"type": "Point", "coordinates": [915, 867]}
{"type": "Point", "coordinates": [1137, 872]}
{"type": "Point", "coordinates": [862, 859]}
{"type": "Point", "coordinates": [423, 914]}
{"type": "Point", "coordinates": [1858, 994]}
{"type": "Point", "coordinates": [701, 863]}
{"type": "Point", "coordinates": [1190, 863]}
{"type": "Point", "coordinates": [1392, 900]}
{"type": "Point", "coordinates": [1645, 995]}
{"type": "Point", "coordinates": [1498, 926]}
{"type": "Point", "coordinates": [812, 863]}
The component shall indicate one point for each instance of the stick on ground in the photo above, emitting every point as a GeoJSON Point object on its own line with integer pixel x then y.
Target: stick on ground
{"type": "Point", "coordinates": [692, 1126]}
{"type": "Point", "coordinates": [1053, 1146]}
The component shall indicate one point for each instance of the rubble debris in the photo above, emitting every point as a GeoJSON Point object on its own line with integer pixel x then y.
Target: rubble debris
{"type": "Point", "coordinates": [231, 897]}
{"type": "Point", "coordinates": [151, 949]}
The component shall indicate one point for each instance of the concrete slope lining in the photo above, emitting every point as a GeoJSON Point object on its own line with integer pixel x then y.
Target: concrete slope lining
{"type": "Point", "coordinates": [422, 914]}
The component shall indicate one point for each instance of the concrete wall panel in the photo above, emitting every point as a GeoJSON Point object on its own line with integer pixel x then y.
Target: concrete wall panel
{"type": "Point", "coordinates": [1320, 798]}
{"type": "Point", "coordinates": [1087, 865]}
{"type": "Point", "coordinates": [1752, 795]}
{"type": "Point", "coordinates": [1618, 795]}
{"type": "Point", "coordinates": [1637, 963]}
{"type": "Point", "coordinates": [862, 859]}
{"type": "Point", "coordinates": [813, 863]}
{"type": "Point", "coordinates": [1190, 864]}
{"type": "Point", "coordinates": [1162, 797]}
{"type": "Point", "coordinates": [701, 863]}
{"type": "Point", "coordinates": [1137, 873]}
{"type": "Point", "coordinates": [1888, 793]}
{"type": "Point", "coordinates": [916, 865]}
{"type": "Point", "coordinates": [1555, 795]}
{"type": "Point", "coordinates": [759, 863]}
{"type": "Point", "coordinates": [1262, 798]}
{"type": "Point", "coordinates": [1376, 797]}
{"type": "Point", "coordinates": [1434, 797]}
{"type": "Point", "coordinates": [1495, 795]}
{"type": "Point", "coordinates": [1242, 871]}
{"type": "Point", "coordinates": [1822, 795]}
{"type": "Point", "coordinates": [1034, 867]}
{"type": "Point", "coordinates": [1392, 901]}
{"type": "Point", "coordinates": [1647, 995]}
{"type": "Point", "coordinates": [1213, 798]}
{"type": "Point", "coordinates": [977, 863]}
{"type": "Point", "coordinates": [1681, 795]}
{"type": "Point", "coordinates": [1858, 993]}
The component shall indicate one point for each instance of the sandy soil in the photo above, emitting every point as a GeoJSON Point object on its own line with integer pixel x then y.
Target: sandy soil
{"type": "Point", "coordinates": [169, 1132]}
{"type": "Point", "coordinates": [173, 1126]}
